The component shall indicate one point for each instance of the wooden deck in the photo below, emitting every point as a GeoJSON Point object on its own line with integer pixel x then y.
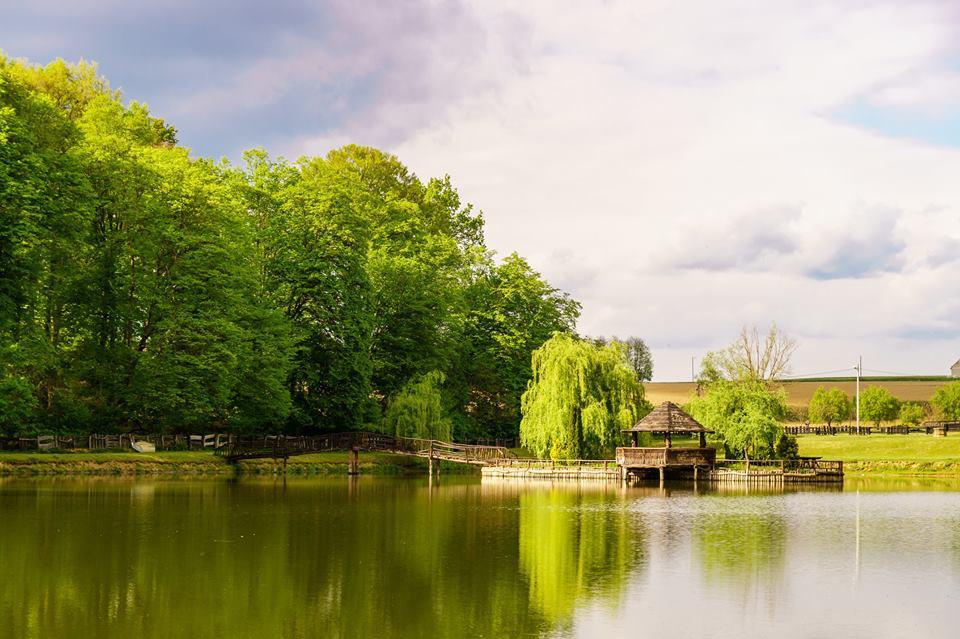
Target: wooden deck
{"type": "Point", "coordinates": [635, 458]}
{"type": "Point", "coordinates": [552, 469]}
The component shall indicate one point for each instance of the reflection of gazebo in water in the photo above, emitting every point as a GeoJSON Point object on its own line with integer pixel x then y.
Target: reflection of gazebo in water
{"type": "Point", "coordinates": [668, 420]}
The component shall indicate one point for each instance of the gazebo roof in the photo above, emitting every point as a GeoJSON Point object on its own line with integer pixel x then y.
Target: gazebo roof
{"type": "Point", "coordinates": [668, 418]}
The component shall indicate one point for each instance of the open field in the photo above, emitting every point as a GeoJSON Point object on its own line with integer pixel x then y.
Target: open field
{"type": "Point", "coordinates": [800, 392]}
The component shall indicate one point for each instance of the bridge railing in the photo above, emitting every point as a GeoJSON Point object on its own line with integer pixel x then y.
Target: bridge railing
{"type": "Point", "coordinates": [284, 446]}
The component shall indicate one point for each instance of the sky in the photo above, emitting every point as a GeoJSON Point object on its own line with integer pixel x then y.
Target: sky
{"type": "Point", "coordinates": [682, 168]}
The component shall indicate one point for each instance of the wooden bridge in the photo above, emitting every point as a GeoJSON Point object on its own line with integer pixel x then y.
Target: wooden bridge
{"type": "Point", "coordinates": [281, 447]}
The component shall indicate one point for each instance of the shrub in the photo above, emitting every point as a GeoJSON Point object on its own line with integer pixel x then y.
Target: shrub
{"type": "Point", "coordinates": [946, 401]}
{"type": "Point", "coordinates": [911, 413]}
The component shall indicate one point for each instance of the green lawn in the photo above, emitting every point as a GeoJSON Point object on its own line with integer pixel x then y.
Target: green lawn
{"type": "Point", "coordinates": [205, 462]}
{"type": "Point", "coordinates": [914, 447]}
{"type": "Point", "coordinates": [178, 456]}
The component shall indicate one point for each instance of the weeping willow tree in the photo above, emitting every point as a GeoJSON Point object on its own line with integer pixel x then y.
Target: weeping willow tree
{"type": "Point", "coordinates": [580, 397]}
{"type": "Point", "coordinates": [417, 411]}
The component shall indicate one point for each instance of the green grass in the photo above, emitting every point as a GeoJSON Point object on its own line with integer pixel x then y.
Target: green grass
{"type": "Point", "coordinates": [191, 463]}
{"type": "Point", "coordinates": [163, 457]}
{"type": "Point", "coordinates": [887, 454]}
{"type": "Point", "coordinates": [914, 447]}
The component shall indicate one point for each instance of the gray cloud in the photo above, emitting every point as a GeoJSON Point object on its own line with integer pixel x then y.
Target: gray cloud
{"type": "Point", "coordinates": [746, 242]}
{"type": "Point", "coordinates": [232, 74]}
{"type": "Point", "coordinates": [870, 245]}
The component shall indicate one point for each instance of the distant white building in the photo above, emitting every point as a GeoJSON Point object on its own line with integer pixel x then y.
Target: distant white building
{"type": "Point", "coordinates": [955, 370]}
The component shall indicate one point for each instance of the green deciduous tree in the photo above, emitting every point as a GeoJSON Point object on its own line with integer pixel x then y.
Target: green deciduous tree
{"type": "Point", "coordinates": [911, 413]}
{"type": "Point", "coordinates": [946, 401]}
{"type": "Point", "coordinates": [877, 404]}
{"type": "Point", "coordinates": [580, 397]}
{"type": "Point", "coordinates": [144, 288]}
{"type": "Point", "coordinates": [745, 415]}
{"type": "Point", "coordinates": [510, 312]}
{"type": "Point", "coordinates": [829, 406]}
{"type": "Point", "coordinates": [417, 410]}
{"type": "Point", "coordinates": [638, 354]}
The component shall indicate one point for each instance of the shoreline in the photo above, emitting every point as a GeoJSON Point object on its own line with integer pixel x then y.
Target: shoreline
{"type": "Point", "coordinates": [200, 463]}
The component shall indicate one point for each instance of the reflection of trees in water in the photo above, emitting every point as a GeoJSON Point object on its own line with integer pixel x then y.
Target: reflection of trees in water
{"type": "Point", "coordinates": [411, 562]}
{"type": "Point", "coordinates": [385, 559]}
{"type": "Point", "coordinates": [745, 550]}
{"type": "Point", "coordinates": [575, 547]}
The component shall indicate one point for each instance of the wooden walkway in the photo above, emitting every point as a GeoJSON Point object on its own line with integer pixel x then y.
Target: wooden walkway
{"type": "Point", "coordinates": [498, 461]}
{"type": "Point", "coordinates": [281, 447]}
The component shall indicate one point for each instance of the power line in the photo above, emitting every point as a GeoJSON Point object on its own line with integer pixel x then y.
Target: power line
{"type": "Point", "coordinates": [901, 373]}
{"type": "Point", "coordinates": [815, 374]}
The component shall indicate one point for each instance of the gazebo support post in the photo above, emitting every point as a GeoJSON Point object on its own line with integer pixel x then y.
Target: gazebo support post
{"type": "Point", "coordinates": [668, 442]}
{"type": "Point", "coordinates": [635, 436]}
{"type": "Point", "coordinates": [703, 440]}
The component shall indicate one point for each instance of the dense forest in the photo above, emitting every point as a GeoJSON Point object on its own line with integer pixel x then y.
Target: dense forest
{"type": "Point", "coordinates": [142, 288]}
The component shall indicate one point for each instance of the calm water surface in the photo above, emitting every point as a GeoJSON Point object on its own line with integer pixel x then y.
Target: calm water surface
{"type": "Point", "coordinates": [464, 558]}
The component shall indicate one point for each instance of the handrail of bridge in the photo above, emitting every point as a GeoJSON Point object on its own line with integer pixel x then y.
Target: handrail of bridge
{"type": "Point", "coordinates": [286, 446]}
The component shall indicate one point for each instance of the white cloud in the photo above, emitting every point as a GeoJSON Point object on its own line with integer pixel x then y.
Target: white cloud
{"type": "Point", "coordinates": [702, 131]}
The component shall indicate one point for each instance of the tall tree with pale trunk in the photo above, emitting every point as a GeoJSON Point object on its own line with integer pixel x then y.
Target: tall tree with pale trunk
{"type": "Point", "coordinates": [752, 356]}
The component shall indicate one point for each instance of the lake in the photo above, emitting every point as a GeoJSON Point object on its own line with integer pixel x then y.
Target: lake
{"type": "Point", "coordinates": [377, 557]}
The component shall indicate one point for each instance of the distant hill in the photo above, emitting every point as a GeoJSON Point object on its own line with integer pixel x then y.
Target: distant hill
{"type": "Point", "coordinates": [799, 392]}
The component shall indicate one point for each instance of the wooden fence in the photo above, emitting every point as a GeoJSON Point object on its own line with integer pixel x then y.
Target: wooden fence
{"type": "Point", "coordinates": [116, 442]}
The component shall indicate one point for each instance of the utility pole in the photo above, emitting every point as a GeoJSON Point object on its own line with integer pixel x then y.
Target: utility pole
{"type": "Point", "coordinates": [693, 375]}
{"type": "Point", "coordinates": [859, 369]}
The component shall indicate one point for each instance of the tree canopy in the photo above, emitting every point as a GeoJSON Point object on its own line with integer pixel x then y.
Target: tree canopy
{"type": "Point", "coordinates": [580, 397]}
{"type": "Point", "coordinates": [144, 288]}
{"type": "Point", "coordinates": [638, 354]}
{"type": "Point", "coordinates": [911, 413]}
{"type": "Point", "coordinates": [829, 406]}
{"type": "Point", "coordinates": [745, 415]}
{"type": "Point", "coordinates": [877, 404]}
{"type": "Point", "coordinates": [946, 401]}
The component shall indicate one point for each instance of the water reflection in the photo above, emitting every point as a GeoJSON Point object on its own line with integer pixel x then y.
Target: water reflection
{"type": "Point", "coordinates": [399, 558]}
{"type": "Point", "coordinates": [575, 546]}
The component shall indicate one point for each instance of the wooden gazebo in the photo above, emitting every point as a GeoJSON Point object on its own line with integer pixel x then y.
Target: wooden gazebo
{"type": "Point", "coordinates": [668, 420]}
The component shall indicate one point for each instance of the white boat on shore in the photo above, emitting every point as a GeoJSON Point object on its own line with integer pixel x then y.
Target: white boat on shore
{"type": "Point", "coordinates": [143, 447]}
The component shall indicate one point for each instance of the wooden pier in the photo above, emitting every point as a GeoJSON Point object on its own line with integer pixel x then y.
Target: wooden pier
{"type": "Point", "coordinates": [575, 469]}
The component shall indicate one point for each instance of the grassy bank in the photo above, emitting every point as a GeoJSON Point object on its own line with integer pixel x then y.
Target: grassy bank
{"type": "Point", "coordinates": [199, 463]}
{"type": "Point", "coordinates": [887, 454]}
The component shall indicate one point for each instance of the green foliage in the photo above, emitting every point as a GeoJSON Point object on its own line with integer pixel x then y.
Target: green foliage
{"type": "Point", "coordinates": [580, 398]}
{"type": "Point", "coordinates": [829, 406]}
{"type": "Point", "coordinates": [417, 410]}
{"type": "Point", "coordinates": [911, 413]}
{"type": "Point", "coordinates": [511, 311]}
{"type": "Point", "coordinates": [145, 288]}
{"type": "Point", "coordinates": [877, 404]}
{"type": "Point", "coordinates": [786, 447]}
{"type": "Point", "coordinates": [638, 354]}
{"type": "Point", "coordinates": [746, 416]}
{"type": "Point", "coordinates": [17, 403]}
{"type": "Point", "coordinates": [946, 401]}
